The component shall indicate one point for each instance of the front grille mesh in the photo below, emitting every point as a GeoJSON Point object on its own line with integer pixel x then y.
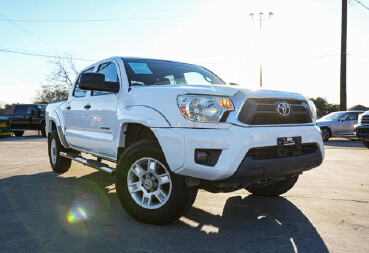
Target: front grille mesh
{"type": "Point", "coordinates": [263, 111]}
{"type": "Point", "coordinates": [365, 120]}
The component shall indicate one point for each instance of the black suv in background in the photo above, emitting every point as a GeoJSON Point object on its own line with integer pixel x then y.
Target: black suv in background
{"type": "Point", "coordinates": [27, 117]}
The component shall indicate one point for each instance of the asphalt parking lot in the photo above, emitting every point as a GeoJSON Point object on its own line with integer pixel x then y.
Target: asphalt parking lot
{"type": "Point", "coordinates": [327, 210]}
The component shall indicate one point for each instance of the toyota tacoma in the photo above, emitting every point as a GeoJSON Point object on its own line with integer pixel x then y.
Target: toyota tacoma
{"type": "Point", "coordinates": [172, 128]}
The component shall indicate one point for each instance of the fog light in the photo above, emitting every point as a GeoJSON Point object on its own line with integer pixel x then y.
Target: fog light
{"type": "Point", "coordinates": [202, 156]}
{"type": "Point", "coordinates": [207, 157]}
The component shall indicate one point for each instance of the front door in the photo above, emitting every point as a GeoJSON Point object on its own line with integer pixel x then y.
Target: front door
{"type": "Point", "coordinates": [101, 117]}
{"type": "Point", "coordinates": [347, 123]}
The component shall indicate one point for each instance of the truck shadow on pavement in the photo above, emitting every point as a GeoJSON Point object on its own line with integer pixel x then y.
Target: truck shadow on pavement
{"type": "Point", "coordinates": [52, 213]}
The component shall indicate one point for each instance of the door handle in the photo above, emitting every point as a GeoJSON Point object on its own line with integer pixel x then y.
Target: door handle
{"type": "Point", "coordinates": [88, 106]}
{"type": "Point", "coordinates": [68, 107]}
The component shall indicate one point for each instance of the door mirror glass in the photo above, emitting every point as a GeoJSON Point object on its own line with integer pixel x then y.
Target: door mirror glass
{"type": "Point", "coordinates": [96, 81]}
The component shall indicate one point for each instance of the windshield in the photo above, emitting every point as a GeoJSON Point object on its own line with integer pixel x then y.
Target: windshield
{"type": "Point", "coordinates": [156, 72]}
{"type": "Point", "coordinates": [332, 116]}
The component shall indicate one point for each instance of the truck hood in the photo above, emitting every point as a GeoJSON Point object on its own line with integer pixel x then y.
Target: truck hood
{"type": "Point", "coordinates": [163, 98]}
{"type": "Point", "coordinates": [218, 90]}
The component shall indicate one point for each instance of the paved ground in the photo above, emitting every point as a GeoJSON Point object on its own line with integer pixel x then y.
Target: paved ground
{"type": "Point", "coordinates": [327, 210]}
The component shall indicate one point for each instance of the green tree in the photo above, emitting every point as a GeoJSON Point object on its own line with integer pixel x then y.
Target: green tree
{"type": "Point", "coordinates": [323, 107]}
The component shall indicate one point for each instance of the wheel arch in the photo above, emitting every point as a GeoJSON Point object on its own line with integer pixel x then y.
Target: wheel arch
{"type": "Point", "coordinates": [131, 132]}
{"type": "Point", "coordinates": [329, 129]}
{"type": "Point", "coordinates": [137, 123]}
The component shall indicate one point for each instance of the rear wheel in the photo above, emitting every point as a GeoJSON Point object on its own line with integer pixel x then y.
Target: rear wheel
{"type": "Point", "coordinates": [18, 133]}
{"type": "Point", "coordinates": [273, 189]}
{"type": "Point", "coordinates": [146, 187]}
{"type": "Point", "coordinates": [58, 163]}
{"type": "Point", "coordinates": [366, 143]}
{"type": "Point", "coordinates": [326, 133]}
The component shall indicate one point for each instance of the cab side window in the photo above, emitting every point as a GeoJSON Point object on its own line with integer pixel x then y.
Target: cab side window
{"type": "Point", "coordinates": [111, 75]}
{"type": "Point", "coordinates": [29, 109]}
{"type": "Point", "coordinates": [20, 110]}
{"type": "Point", "coordinates": [77, 91]}
{"type": "Point", "coordinates": [350, 116]}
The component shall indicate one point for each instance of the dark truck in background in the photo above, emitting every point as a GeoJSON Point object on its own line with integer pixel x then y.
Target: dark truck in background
{"type": "Point", "coordinates": [27, 117]}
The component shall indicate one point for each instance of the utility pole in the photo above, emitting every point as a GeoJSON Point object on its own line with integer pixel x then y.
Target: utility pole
{"type": "Point", "coordinates": [343, 95]}
{"type": "Point", "coordinates": [261, 26]}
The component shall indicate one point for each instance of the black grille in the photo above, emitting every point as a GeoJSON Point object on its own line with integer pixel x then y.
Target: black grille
{"type": "Point", "coordinates": [365, 120]}
{"type": "Point", "coordinates": [263, 111]}
{"type": "Point", "coordinates": [271, 152]}
{"type": "Point", "coordinates": [363, 130]}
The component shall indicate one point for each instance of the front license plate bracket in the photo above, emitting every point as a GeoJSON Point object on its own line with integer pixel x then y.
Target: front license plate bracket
{"type": "Point", "coordinates": [289, 146]}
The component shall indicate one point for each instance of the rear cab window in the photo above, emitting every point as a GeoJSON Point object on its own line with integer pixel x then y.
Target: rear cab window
{"type": "Point", "coordinates": [20, 110]}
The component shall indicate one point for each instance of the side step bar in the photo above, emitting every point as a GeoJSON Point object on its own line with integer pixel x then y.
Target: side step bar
{"type": "Point", "coordinates": [89, 162]}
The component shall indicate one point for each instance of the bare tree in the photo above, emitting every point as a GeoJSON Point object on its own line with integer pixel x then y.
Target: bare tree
{"type": "Point", "coordinates": [59, 81]}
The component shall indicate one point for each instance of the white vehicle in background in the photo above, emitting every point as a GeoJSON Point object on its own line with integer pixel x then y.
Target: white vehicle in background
{"type": "Point", "coordinates": [338, 124]}
{"type": "Point", "coordinates": [172, 128]}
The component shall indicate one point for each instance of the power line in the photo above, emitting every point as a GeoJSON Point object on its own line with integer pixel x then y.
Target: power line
{"type": "Point", "coordinates": [359, 2]}
{"type": "Point", "coordinates": [46, 55]}
{"type": "Point", "coordinates": [93, 20]}
{"type": "Point", "coordinates": [5, 19]}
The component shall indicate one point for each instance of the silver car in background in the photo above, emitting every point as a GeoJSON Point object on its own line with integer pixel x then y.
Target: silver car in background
{"type": "Point", "coordinates": [338, 124]}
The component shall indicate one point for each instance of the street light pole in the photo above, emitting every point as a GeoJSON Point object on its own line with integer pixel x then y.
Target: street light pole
{"type": "Point", "coordinates": [261, 29]}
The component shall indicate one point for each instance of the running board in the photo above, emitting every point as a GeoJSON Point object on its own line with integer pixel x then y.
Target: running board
{"type": "Point", "coordinates": [89, 162]}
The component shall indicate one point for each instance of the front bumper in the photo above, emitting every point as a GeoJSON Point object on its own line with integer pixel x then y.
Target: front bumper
{"type": "Point", "coordinates": [179, 144]}
{"type": "Point", "coordinates": [362, 132]}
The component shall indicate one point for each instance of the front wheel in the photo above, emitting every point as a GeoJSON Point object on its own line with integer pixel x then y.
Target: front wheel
{"type": "Point", "coordinates": [366, 143]}
{"type": "Point", "coordinates": [58, 163]}
{"type": "Point", "coordinates": [273, 189]}
{"type": "Point", "coordinates": [146, 187]}
{"type": "Point", "coordinates": [326, 134]}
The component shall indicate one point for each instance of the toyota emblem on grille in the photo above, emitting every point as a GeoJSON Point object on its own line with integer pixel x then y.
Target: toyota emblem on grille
{"type": "Point", "coordinates": [284, 109]}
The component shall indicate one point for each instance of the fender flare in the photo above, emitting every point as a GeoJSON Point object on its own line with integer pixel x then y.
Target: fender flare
{"type": "Point", "coordinates": [55, 118]}
{"type": "Point", "coordinates": [133, 114]}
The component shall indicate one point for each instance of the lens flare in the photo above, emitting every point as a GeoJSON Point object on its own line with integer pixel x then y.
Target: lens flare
{"type": "Point", "coordinates": [83, 208]}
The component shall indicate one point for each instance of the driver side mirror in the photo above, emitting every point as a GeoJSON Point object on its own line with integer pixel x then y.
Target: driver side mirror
{"type": "Point", "coordinates": [96, 82]}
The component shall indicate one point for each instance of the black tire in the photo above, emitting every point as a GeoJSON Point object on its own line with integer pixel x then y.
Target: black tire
{"type": "Point", "coordinates": [43, 131]}
{"type": "Point", "coordinates": [366, 143]}
{"type": "Point", "coordinates": [180, 198]}
{"type": "Point", "coordinates": [191, 199]}
{"type": "Point", "coordinates": [326, 133]}
{"type": "Point", "coordinates": [18, 133]}
{"type": "Point", "coordinates": [273, 189]}
{"type": "Point", "coordinates": [61, 164]}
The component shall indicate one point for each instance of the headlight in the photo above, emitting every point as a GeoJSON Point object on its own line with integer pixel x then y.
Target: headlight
{"type": "Point", "coordinates": [360, 118]}
{"type": "Point", "coordinates": [203, 108]}
{"type": "Point", "coordinates": [313, 109]}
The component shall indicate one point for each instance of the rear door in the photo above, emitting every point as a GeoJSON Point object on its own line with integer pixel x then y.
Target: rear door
{"type": "Point", "coordinates": [18, 117]}
{"type": "Point", "coordinates": [101, 116]}
{"type": "Point", "coordinates": [75, 116]}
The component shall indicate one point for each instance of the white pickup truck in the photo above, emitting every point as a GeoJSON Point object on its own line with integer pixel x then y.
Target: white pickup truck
{"type": "Point", "coordinates": [173, 128]}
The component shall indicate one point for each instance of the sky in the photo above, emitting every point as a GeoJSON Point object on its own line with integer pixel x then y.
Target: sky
{"type": "Point", "coordinates": [299, 46]}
